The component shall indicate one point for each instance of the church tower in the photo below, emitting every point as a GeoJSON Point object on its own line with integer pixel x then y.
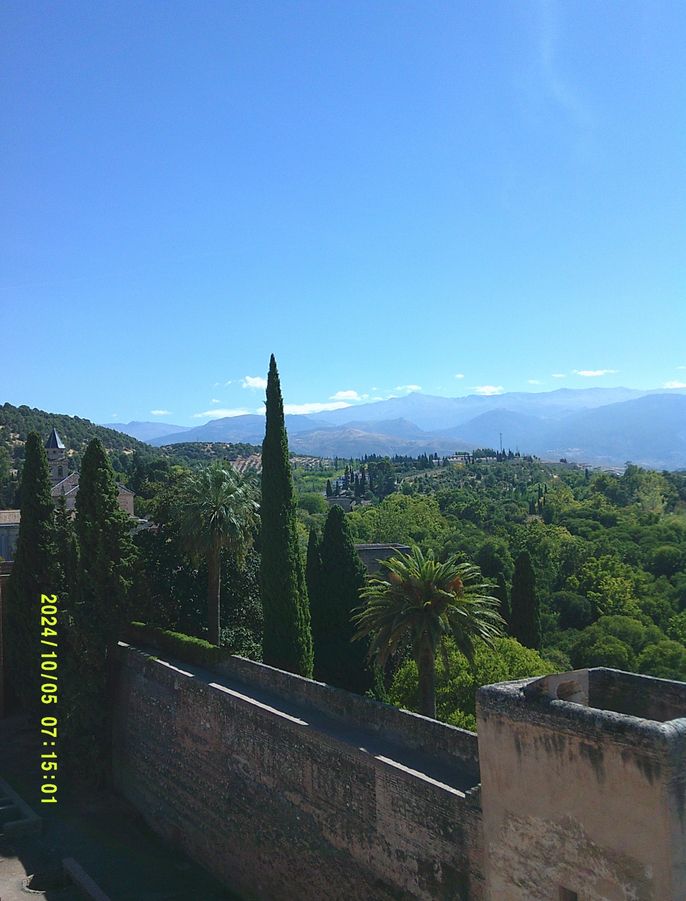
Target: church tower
{"type": "Point", "coordinates": [57, 458]}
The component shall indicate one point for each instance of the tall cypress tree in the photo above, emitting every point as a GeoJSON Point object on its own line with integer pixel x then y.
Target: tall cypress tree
{"type": "Point", "coordinates": [34, 572]}
{"type": "Point", "coordinates": [106, 550]}
{"type": "Point", "coordinates": [525, 616]}
{"type": "Point", "coordinates": [287, 640]}
{"type": "Point", "coordinates": [100, 610]}
{"type": "Point", "coordinates": [337, 659]}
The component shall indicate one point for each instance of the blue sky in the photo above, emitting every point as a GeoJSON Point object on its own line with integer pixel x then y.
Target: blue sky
{"type": "Point", "coordinates": [457, 197]}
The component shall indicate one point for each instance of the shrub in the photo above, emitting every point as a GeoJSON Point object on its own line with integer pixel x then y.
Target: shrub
{"type": "Point", "coordinates": [456, 686]}
{"type": "Point", "coordinates": [666, 660]}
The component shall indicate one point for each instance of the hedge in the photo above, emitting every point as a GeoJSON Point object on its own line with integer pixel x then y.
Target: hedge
{"type": "Point", "coordinates": [176, 644]}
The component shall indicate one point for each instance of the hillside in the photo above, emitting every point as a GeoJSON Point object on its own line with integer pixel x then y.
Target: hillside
{"type": "Point", "coordinates": [75, 432]}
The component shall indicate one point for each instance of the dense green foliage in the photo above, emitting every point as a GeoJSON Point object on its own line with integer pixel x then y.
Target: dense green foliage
{"type": "Point", "coordinates": [334, 595]}
{"type": "Point", "coordinates": [287, 640]}
{"type": "Point", "coordinates": [457, 680]}
{"type": "Point", "coordinates": [34, 573]}
{"type": "Point", "coordinates": [422, 602]}
{"type": "Point", "coordinates": [602, 545]}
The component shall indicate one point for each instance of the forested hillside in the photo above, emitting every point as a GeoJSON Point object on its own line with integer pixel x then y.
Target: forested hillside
{"type": "Point", "coordinates": [128, 456]}
{"type": "Point", "coordinates": [607, 554]}
{"type": "Point", "coordinates": [75, 432]}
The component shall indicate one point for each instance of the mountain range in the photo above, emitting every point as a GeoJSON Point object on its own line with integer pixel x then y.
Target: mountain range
{"type": "Point", "coordinates": [595, 426]}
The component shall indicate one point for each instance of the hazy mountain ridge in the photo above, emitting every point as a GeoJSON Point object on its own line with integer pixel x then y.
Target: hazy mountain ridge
{"type": "Point", "coordinates": [146, 431]}
{"type": "Point", "coordinates": [605, 426]}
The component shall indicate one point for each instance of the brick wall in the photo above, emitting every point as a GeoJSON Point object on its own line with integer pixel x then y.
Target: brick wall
{"type": "Point", "coordinates": [284, 801]}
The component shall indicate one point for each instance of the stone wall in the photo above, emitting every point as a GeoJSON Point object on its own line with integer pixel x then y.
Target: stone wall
{"type": "Point", "coordinates": [285, 788]}
{"type": "Point", "coordinates": [581, 800]}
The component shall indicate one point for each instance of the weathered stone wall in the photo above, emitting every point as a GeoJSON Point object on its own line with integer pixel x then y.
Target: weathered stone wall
{"type": "Point", "coordinates": [583, 799]}
{"type": "Point", "coordinates": [300, 800]}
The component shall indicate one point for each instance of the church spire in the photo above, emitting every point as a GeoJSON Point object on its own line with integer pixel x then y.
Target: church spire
{"type": "Point", "coordinates": [54, 442]}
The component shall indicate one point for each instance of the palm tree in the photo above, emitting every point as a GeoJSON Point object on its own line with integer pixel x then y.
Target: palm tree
{"type": "Point", "coordinates": [425, 601]}
{"type": "Point", "coordinates": [217, 511]}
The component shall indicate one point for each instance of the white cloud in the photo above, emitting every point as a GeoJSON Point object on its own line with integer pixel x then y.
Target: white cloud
{"type": "Point", "coordinates": [347, 395]}
{"type": "Point", "coordinates": [459, 375]}
{"type": "Point", "coordinates": [297, 409]}
{"type": "Point", "coordinates": [681, 367]}
{"type": "Point", "coordinates": [160, 413]}
{"type": "Point", "coordinates": [674, 383]}
{"type": "Point", "coordinates": [488, 390]}
{"type": "Point", "coordinates": [534, 382]}
{"type": "Point", "coordinates": [408, 389]}
{"type": "Point", "coordinates": [215, 400]}
{"type": "Point", "coordinates": [114, 415]}
{"type": "Point", "coordinates": [226, 384]}
{"type": "Point", "coordinates": [253, 381]}
{"type": "Point", "coordinates": [593, 373]}
{"type": "Point", "coordinates": [218, 413]}
{"type": "Point", "coordinates": [559, 375]}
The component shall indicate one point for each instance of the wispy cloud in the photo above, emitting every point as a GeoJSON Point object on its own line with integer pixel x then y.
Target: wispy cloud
{"type": "Point", "coordinates": [488, 390]}
{"type": "Point", "coordinates": [534, 382]}
{"type": "Point", "coordinates": [160, 413]}
{"type": "Point", "coordinates": [459, 375]}
{"type": "Point", "coordinates": [297, 409]}
{"type": "Point", "coordinates": [558, 88]}
{"type": "Point", "coordinates": [408, 389]}
{"type": "Point", "coordinates": [559, 375]}
{"type": "Point", "coordinates": [114, 415]}
{"type": "Point", "coordinates": [681, 368]}
{"type": "Point", "coordinates": [594, 373]}
{"type": "Point", "coordinates": [215, 400]}
{"type": "Point", "coordinates": [674, 383]}
{"type": "Point", "coordinates": [253, 381]}
{"type": "Point", "coordinates": [219, 413]}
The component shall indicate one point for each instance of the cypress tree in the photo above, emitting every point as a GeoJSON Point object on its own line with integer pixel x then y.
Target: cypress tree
{"type": "Point", "coordinates": [287, 635]}
{"type": "Point", "coordinates": [100, 610]}
{"type": "Point", "coordinates": [525, 620]}
{"type": "Point", "coordinates": [34, 572]}
{"type": "Point", "coordinates": [329, 489]}
{"type": "Point", "coordinates": [106, 550]}
{"type": "Point", "coordinates": [337, 659]}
